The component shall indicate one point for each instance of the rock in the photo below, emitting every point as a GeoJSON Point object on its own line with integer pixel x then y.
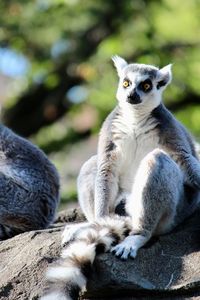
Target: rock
{"type": "Point", "coordinates": [167, 268]}
{"type": "Point", "coordinates": [24, 259]}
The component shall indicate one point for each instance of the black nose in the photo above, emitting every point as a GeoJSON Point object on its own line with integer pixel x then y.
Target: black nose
{"type": "Point", "coordinates": [134, 98]}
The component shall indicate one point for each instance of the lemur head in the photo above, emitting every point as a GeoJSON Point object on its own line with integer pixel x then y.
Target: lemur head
{"type": "Point", "coordinates": [141, 85]}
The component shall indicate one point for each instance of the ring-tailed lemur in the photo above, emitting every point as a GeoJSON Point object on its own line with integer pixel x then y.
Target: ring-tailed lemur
{"type": "Point", "coordinates": [29, 186]}
{"type": "Point", "coordinates": [145, 158]}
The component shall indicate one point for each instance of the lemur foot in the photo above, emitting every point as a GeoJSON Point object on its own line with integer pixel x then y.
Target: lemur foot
{"type": "Point", "coordinates": [70, 232]}
{"type": "Point", "coordinates": [129, 247]}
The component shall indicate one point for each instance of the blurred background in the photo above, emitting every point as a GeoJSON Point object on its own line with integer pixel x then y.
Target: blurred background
{"type": "Point", "coordinates": [57, 81]}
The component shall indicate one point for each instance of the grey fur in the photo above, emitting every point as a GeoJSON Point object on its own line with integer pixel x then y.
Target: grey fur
{"type": "Point", "coordinates": [142, 69]}
{"type": "Point", "coordinates": [29, 186]}
{"type": "Point", "coordinates": [146, 159]}
{"type": "Point", "coordinates": [165, 186]}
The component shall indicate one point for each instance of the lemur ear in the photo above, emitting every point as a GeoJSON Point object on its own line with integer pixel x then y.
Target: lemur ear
{"type": "Point", "coordinates": [119, 63]}
{"type": "Point", "coordinates": [164, 76]}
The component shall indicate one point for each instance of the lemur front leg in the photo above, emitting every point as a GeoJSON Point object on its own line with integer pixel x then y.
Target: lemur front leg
{"type": "Point", "coordinates": [97, 185]}
{"type": "Point", "coordinates": [106, 183]}
{"type": "Point", "coordinates": [86, 186]}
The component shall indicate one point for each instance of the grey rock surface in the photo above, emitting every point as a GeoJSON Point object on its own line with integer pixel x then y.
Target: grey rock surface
{"type": "Point", "coordinates": [25, 257]}
{"type": "Point", "coordinates": [23, 261]}
{"type": "Point", "coordinates": [167, 268]}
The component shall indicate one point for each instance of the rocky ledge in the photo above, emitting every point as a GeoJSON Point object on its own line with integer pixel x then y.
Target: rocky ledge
{"type": "Point", "coordinates": [167, 268]}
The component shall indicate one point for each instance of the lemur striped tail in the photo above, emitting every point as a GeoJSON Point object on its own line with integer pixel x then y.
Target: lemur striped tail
{"type": "Point", "coordinates": [69, 275]}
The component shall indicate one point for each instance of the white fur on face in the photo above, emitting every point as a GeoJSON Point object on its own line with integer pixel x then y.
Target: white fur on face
{"type": "Point", "coordinates": [149, 100]}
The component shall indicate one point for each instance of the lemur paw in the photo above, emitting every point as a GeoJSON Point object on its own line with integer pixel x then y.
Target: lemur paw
{"type": "Point", "coordinates": [129, 247]}
{"type": "Point", "coordinates": [124, 251]}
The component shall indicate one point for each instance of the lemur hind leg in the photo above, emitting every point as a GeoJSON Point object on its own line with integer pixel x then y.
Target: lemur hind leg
{"type": "Point", "coordinates": [157, 189]}
{"type": "Point", "coordinates": [85, 188]}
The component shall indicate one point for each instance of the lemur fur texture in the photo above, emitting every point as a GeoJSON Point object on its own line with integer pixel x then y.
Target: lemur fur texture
{"type": "Point", "coordinates": [29, 186]}
{"type": "Point", "coordinates": [147, 160]}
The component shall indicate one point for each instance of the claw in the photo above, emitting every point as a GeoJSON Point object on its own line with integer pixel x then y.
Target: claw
{"type": "Point", "coordinates": [121, 251]}
{"type": "Point", "coordinates": [117, 250]}
{"type": "Point", "coordinates": [129, 247]}
{"type": "Point", "coordinates": [125, 254]}
{"type": "Point", "coordinates": [113, 250]}
{"type": "Point", "coordinates": [133, 253]}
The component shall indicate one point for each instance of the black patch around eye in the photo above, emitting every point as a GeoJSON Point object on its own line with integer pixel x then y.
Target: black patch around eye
{"type": "Point", "coordinates": [142, 84]}
{"type": "Point", "coordinates": [126, 79]}
{"type": "Point", "coordinates": [161, 83]}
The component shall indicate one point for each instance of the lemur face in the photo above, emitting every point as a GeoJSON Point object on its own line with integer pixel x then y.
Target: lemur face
{"type": "Point", "coordinates": [141, 85]}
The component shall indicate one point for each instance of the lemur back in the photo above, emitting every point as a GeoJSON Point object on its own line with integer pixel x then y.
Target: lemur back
{"type": "Point", "coordinates": [146, 160]}
{"type": "Point", "coordinates": [29, 186]}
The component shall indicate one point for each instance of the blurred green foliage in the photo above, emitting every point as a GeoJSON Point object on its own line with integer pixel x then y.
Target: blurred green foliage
{"type": "Point", "coordinates": [70, 84]}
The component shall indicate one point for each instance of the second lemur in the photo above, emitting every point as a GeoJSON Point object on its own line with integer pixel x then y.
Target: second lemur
{"type": "Point", "coordinates": [147, 160]}
{"type": "Point", "coordinates": [29, 186]}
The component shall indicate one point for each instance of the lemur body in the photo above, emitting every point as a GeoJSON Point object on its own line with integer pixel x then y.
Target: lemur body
{"type": "Point", "coordinates": [29, 186]}
{"type": "Point", "coordinates": [136, 133]}
{"type": "Point", "coordinates": [146, 159]}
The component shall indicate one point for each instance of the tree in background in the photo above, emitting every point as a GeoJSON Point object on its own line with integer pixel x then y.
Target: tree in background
{"type": "Point", "coordinates": [67, 82]}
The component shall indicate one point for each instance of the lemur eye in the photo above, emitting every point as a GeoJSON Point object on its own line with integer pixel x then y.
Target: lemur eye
{"type": "Point", "coordinates": [126, 83]}
{"type": "Point", "coordinates": [146, 85]}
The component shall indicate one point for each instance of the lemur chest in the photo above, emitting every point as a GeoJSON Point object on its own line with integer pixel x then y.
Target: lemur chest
{"type": "Point", "coordinates": [134, 149]}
